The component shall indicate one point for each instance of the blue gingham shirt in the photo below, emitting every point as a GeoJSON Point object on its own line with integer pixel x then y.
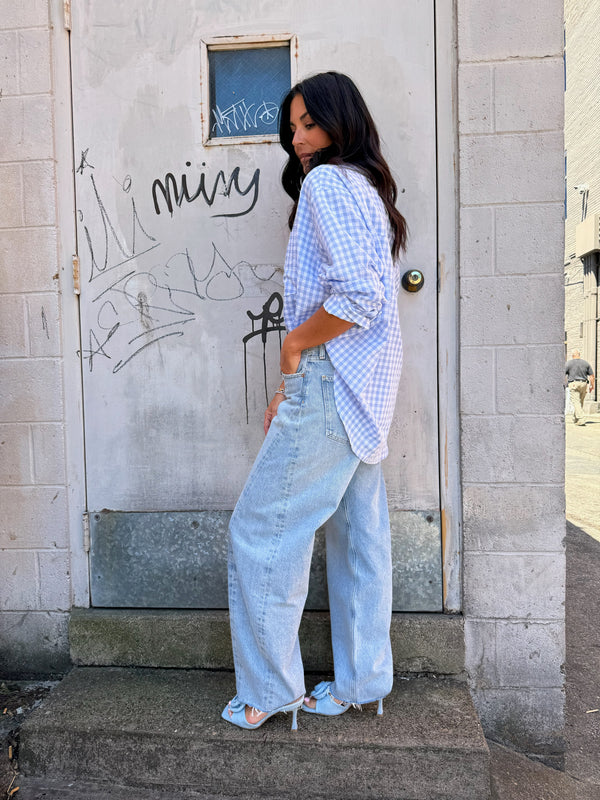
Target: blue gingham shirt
{"type": "Point", "coordinates": [338, 256]}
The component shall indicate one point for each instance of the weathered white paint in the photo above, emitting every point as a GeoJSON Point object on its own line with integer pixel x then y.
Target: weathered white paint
{"type": "Point", "coordinates": [69, 306]}
{"type": "Point", "coordinates": [448, 301]}
{"type": "Point", "coordinates": [167, 429]}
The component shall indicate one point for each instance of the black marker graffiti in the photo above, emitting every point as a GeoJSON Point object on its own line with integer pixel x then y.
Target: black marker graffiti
{"type": "Point", "coordinates": [83, 163]}
{"type": "Point", "coordinates": [96, 347]}
{"type": "Point", "coordinates": [104, 263]}
{"type": "Point", "coordinates": [271, 319]}
{"type": "Point", "coordinates": [174, 193]}
{"type": "Point", "coordinates": [45, 323]}
{"type": "Point", "coordinates": [119, 366]}
{"type": "Point", "coordinates": [138, 302]}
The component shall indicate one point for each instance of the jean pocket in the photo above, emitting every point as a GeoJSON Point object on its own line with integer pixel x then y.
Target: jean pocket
{"type": "Point", "coordinates": [301, 367]}
{"type": "Point", "coordinates": [287, 376]}
{"type": "Point", "coordinates": [334, 427]}
{"type": "Point", "coordinates": [294, 383]}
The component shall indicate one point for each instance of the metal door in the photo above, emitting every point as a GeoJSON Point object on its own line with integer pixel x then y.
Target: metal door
{"type": "Point", "coordinates": [181, 243]}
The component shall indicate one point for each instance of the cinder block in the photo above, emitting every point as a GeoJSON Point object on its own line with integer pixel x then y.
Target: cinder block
{"type": "Point", "coordinates": [35, 644]}
{"type": "Point", "coordinates": [530, 653]}
{"type": "Point", "coordinates": [9, 68]}
{"type": "Point", "coordinates": [44, 325]}
{"type": "Point", "coordinates": [507, 310]}
{"type": "Point", "coordinates": [26, 128]}
{"type": "Point", "coordinates": [13, 327]}
{"type": "Point", "coordinates": [39, 193]}
{"type": "Point", "coordinates": [475, 113]}
{"type": "Point", "coordinates": [511, 168]}
{"type": "Point", "coordinates": [18, 581]}
{"type": "Point", "coordinates": [491, 31]}
{"type": "Point", "coordinates": [476, 241]}
{"type": "Point", "coordinates": [496, 518]}
{"type": "Point", "coordinates": [529, 379]}
{"type": "Point", "coordinates": [11, 207]}
{"type": "Point", "coordinates": [23, 15]}
{"type": "Point", "coordinates": [530, 720]}
{"type": "Point", "coordinates": [48, 453]}
{"type": "Point", "coordinates": [33, 517]}
{"type": "Point", "coordinates": [28, 260]}
{"type": "Point", "coordinates": [55, 586]}
{"type": "Point", "coordinates": [31, 391]}
{"type": "Point", "coordinates": [528, 95]}
{"type": "Point", "coordinates": [34, 61]}
{"type": "Point", "coordinates": [480, 652]}
{"type": "Point", "coordinates": [15, 459]}
{"type": "Point", "coordinates": [512, 449]}
{"type": "Point", "coordinates": [477, 375]}
{"type": "Point", "coordinates": [529, 239]}
{"type": "Point", "coordinates": [514, 585]}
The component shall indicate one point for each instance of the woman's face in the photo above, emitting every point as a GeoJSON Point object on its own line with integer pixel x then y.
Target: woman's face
{"type": "Point", "coordinates": [307, 136]}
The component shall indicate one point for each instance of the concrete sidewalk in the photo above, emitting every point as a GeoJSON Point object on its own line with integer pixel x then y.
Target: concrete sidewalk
{"type": "Point", "coordinates": [583, 475]}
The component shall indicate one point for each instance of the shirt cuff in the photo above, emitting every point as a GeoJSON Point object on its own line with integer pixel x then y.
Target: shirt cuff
{"type": "Point", "coordinates": [341, 306]}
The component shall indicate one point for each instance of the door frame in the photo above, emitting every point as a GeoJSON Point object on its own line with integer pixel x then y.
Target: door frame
{"type": "Point", "coordinates": [445, 44]}
{"type": "Point", "coordinates": [446, 80]}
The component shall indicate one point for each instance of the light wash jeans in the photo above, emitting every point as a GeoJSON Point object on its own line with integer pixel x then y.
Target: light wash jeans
{"type": "Point", "coordinates": [304, 475]}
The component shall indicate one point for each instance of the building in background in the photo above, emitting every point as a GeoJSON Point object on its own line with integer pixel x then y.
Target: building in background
{"type": "Point", "coordinates": [582, 182]}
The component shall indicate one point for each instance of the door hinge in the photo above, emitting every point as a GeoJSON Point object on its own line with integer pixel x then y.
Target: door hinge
{"type": "Point", "coordinates": [67, 14]}
{"type": "Point", "coordinates": [76, 276]}
{"type": "Point", "coordinates": [86, 532]}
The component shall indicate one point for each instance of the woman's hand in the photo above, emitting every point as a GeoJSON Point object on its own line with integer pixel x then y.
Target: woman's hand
{"type": "Point", "coordinates": [289, 359]}
{"type": "Point", "coordinates": [319, 328]}
{"type": "Point", "coordinates": [271, 411]}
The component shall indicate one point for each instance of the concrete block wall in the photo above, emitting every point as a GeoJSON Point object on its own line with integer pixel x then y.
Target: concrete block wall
{"type": "Point", "coordinates": [512, 362]}
{"type": "Point", "coordinates": [35, 594]}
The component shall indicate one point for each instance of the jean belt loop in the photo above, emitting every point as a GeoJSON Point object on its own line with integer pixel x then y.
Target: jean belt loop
{"type": "Point", "coordinates": [322, 352]}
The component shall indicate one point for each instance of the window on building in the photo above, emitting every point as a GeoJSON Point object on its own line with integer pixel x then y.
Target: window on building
{"type": "Point", "coordinates": [244, 81]}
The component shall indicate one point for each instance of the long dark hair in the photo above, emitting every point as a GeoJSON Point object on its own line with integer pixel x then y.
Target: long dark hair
{"type": "Point", "coordinates": [335, 104]}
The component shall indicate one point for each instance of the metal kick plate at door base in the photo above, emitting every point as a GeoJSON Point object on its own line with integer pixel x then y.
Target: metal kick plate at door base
{"type": "Point", "coordinates": [413, 280]}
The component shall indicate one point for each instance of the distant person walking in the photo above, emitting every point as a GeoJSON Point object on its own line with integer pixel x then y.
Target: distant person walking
{"type": "Point", "coordinates": [580, 376]}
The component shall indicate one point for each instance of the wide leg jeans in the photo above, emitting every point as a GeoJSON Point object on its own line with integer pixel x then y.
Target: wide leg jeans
{"type": "Point", "coordinates": [305, 475]}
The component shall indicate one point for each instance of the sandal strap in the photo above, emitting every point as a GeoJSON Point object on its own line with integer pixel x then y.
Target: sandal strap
{"type": "Point", "coordinates": [323, 689]}
{"type": "Point", "coordinates": [236, 704]}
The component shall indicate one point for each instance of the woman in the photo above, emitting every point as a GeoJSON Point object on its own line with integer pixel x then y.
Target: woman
{"type": "Point", "coordinates": [327, 425]}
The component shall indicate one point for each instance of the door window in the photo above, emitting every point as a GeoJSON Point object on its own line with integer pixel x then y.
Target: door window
{"type": "Point", "coordinates": [244, 83]}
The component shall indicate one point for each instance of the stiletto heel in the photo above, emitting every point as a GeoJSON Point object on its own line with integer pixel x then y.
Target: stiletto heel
{"type": "Point", "coordinates": [295, 720]}
{"type": "Point", "coordinates": [329, 706]}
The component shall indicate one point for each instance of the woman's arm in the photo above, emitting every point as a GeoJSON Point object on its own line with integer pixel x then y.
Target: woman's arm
{"type": "Point", "coordinates": [317, 329]}
{"type": "Point", "coordinates": [321, 327]}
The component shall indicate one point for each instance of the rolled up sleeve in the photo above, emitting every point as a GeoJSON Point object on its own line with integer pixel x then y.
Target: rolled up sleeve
{"type": "Point", "coordinates": [350, 268]}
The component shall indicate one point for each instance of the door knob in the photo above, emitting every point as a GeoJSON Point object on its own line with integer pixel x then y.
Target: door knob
{"type": "Point", "coordinates": [413, 280]}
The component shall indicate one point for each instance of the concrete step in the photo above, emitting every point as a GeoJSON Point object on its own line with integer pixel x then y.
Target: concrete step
{"type": "Point", "coordinates": [421, 643]}
{"type": "Point", "coordinates": [162, 729]}
{"type": "Point", "coordinates": [42, 789]}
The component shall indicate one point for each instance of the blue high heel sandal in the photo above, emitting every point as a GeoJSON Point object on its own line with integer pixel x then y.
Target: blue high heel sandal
{"type": "Point", "coordinates": [235, 712]}
{"type": "Point", "coordinates": [327, 705]}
